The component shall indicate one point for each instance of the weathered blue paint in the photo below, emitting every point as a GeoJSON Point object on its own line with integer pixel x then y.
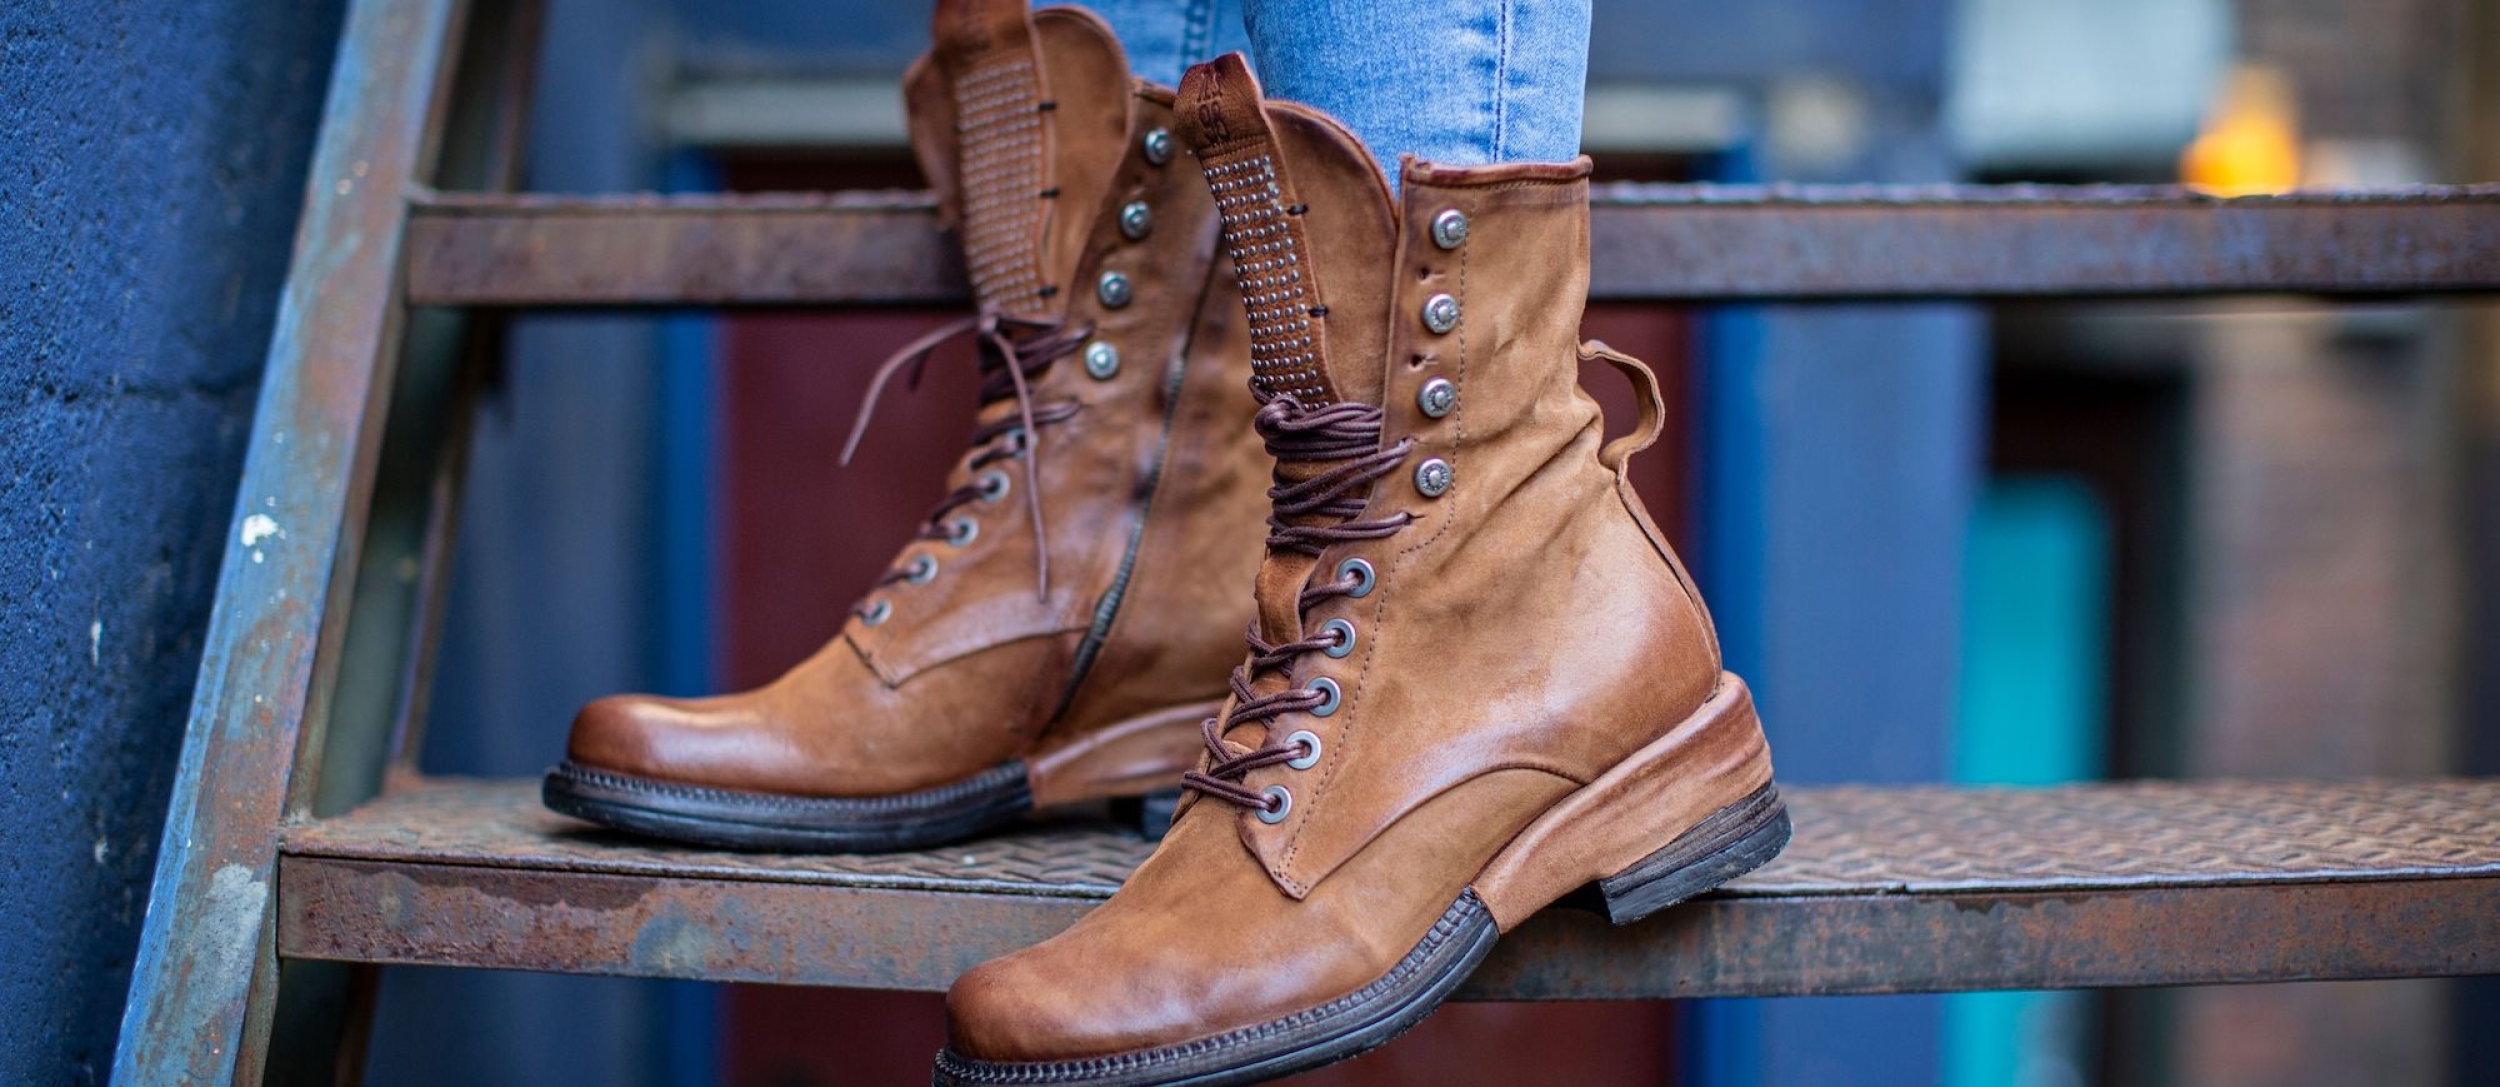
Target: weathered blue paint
{"type": "Point", "coordinates": [204, 961]}
{"type": "Point", "coordinates": [152, 157]}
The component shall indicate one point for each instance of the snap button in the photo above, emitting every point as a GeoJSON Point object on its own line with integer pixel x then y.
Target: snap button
{"type": "Point", "coordinates": [1437, 397]}
{"type": "Point", "coordinates": [1136, 219]}
{"type": "Point", "coordinates": [1158, 146]}
{"type": "Point", "coordinates": [1449, 228]}
{"type": "Point", "coordinates": [1101, 360]}
{"type": "Point", "coordinates": [1440, 313]}
{"type": "Point", "coordinates": [1113, 289]}
{"type": "Point", "coordinates": [1434, 476]}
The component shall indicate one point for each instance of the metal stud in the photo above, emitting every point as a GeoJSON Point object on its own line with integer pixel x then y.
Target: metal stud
{"type": "Point", "coordinates": [1112, 288]}
{"type": "Point", "coordinates": [1440, 313]}
{"type": "Point", "coordinates": [921, 571]}
{"type": "Point", "coordinates": [962, 531]}
{"type": "Point", "coordinates": [1361, 572]}
{"type": "Point", "coordinates": [1158, 146]}
{"type": "Point", "coordinates": [994, 485]}
{"type": "Point", "coordinates": [1280, 802]}
{"type": "Point", "coordinates": [1329, 696]}
{"type": "Point", "coordinates": [1136, 219]}
{"type": "Point", "coordinates": [877, 611]}
{"type": "Point", "coordinates": [1449, 228]}
{"type": "Point", "coordinates": [1101, 360]}
{"type": "Point", "coordinates": [1345, 638]}
{"type": "Point", "coordinates": [1434, 476]}
{"type": "Point", "coordinates": [1309, 742]}
{"type": "Point", "coordinates": [1437, 397]}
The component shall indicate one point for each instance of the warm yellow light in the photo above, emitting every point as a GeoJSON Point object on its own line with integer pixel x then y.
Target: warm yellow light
{"type": "Point", "coordinates": [2251, 139]}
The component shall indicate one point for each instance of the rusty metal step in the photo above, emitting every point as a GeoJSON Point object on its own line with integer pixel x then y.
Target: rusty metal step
{"type": "Point", "coordinates": [1884, 890]}
{"type": "Point", "coordinates": [1662, 242]}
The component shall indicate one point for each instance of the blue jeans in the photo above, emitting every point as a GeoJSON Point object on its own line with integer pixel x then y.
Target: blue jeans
{"type": "Point", "coordinates": [1457, 82]}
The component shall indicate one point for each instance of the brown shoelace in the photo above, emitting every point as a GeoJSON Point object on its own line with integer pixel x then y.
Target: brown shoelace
{"type": "Point", "coordinates": [1014, 351]}
{"type": "Point", "coordinates": [1347, 436]}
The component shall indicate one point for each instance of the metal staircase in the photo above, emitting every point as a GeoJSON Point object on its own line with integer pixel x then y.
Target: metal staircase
{"type": "Point", "coordinates": [299, 838]}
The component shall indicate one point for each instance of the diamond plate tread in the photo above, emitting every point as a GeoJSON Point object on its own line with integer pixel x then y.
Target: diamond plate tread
{"type": "Point", "coordinates": [1849, 840]}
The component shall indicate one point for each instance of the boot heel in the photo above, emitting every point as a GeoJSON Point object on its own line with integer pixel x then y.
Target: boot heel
{"type": "Point", "coordinates": [1735, 840]}
{"type": "Point", "coordinates": [1702, 787]}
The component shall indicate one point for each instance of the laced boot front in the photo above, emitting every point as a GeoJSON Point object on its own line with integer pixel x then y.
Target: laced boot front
{"type": "Point", "coordinates": [1478, 680]}
{"type": "Point", "coordinates": [1061, 622]}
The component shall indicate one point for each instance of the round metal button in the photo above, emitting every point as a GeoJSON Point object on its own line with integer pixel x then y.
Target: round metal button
{"type": "Point", "coordinates": [1329, 696]}
{"type": "Point", "coordinates": [1449, 228]}
{"type": "Point", "coordinates": [1361, 572]}
{"type": "Point", "coordinates": [1279, 801]}
{"type": "Point", "coordinates": [1158, 146]}
{"type": "Point", "coordinates": [1434, 476]}
{"type": "Point", "coordinates": [1309, 742]}
{"type": "Point", "coordinates": [876, 612]}
{"type": "Point", "coordinates": [1112, 288]}
{"type": "Point", "coordinates": [1437, 397]}
{"type": "Point", "coordinates": [1136, 219]}
{"type": "Point", "coordinates": [1101, 360]}
{"type": "Point", "coordinates": [1440, 313]}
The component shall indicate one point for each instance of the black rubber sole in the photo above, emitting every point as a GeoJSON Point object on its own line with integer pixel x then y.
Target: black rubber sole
{"type": "Point", "coordinates": [1731, 842]}
{"type": "Point", "coordinates": [733, 819]}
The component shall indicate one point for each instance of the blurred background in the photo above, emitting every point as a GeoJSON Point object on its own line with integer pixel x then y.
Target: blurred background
{"type": "Point", "coordinates": [1988, 544]}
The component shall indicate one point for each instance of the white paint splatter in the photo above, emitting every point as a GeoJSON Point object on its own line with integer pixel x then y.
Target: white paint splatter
{"type": "Point", "coordinates": [102, 848]}
{"type": "Point", "coordinates": [258, 527]}
{"type": "Point", "coordinates": [95, 641]}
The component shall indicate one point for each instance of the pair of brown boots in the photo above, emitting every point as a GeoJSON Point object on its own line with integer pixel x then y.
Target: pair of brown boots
{"type": "Point", "coordinates": [1478, 678]}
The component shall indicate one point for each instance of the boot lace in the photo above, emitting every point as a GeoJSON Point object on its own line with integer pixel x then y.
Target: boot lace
{"type": "Point", "coordinates": [1347, 435]}
{"type": "Point", "coordinates": [1014, 351]}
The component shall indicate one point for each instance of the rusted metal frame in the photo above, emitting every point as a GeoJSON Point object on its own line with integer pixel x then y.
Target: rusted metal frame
{"type": "Point", "coordinates": [1783, 945]}
{"type": "Point", "coordinates": [1662, 243]}
{"type": "Point", "coordinates": [324, 1011]}
{"type": "Point", "coordinates": [203, 986]}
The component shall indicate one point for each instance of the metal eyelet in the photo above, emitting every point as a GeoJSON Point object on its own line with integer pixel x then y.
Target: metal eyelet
{"type": "Point", "coordinates": [1282, 799]}
{"type": "Point", "coordinates": [1345, 637]}
{"type": "Point", "coordinates": [1158, 146]}
{"type": "Point", "coordinates": [1363, 576]}
{"type": "Point", "coordinates": [1440, 313]}
{"type": "Point", "coordinates": [1101, 360]}
{"type": "Point", "coordinates": [1016, 442]}
{"type": "Point", "coordinates": [962, 531]}
{"type": "Point", "coordinates": [1449, 228]}
{"type": "Point", "coordinates": [1113, 290]}
{"type": "Point", "coordinates": [1437, 397]}
{"type": "Point", "coordinates": [1329, 696]}
{"type": "Point", "coordinates": [1434, 476]}
{"type": "Point", "coordinates": [1136, 220]}
{"type": "Point", "coordinates": [1310, 750]}
{"type": "Point", "coordinates": [995, 485]}
{"type": "Point", "coordinates": [922, 570]}
{"type": "Point", "coordinates": [877, 611]}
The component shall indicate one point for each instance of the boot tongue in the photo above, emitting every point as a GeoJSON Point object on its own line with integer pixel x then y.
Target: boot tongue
{"type": "Point", "coordinates": [1309, 226]}
{"type": "Point", "coordinates": [1021, 171]}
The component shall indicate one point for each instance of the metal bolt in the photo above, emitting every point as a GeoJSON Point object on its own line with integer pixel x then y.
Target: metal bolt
{"type": "Point", "coordinates": [1449, 228]}
{"type": "Point", "coordinates": [1112, 288]}
{"type": "Point", "coordinates": [1101, 360]}
{"type": "Point", "coordinates": [1434, 476]}
{"type": "Point", "coordinates": [1135, 220]}
{"type": "Point", "coordinates": [1440, 313]}
{"type": "Point", "coordinates": [1158, 144]}
{"type": "Point", "coordinates": [1437, 397]}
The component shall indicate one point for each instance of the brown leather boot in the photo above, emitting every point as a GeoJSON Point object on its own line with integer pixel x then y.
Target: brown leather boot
{"type": "Point", "coordinates": [1063, 623]}
{"type": "Point", "coordinates": [1480, 679]}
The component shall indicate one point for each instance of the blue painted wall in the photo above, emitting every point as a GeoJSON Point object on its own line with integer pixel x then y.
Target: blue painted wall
{"type": "Point", "coordinates": [151, 168]}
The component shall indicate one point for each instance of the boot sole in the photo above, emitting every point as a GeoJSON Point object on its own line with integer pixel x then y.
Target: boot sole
{"type": "Point", "coordinates": [1730, 842]}
{"type": "Point", "coordinates": [735, 819]}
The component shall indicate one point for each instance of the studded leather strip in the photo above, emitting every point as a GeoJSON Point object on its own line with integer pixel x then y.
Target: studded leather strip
{"type": "Point", "coordinates": [998, 118]}
{"type": "Point", "coordinates": [1264, 233]}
